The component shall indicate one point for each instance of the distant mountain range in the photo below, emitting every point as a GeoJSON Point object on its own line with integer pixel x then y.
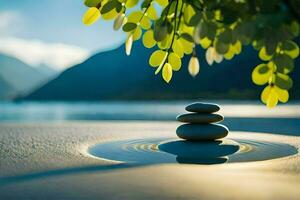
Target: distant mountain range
{"type": "Point", "coordinates": [113, 75]}
{"type": "Point", "coordinates": [46, 70]}
{"type": "Point", "coordinates": [18, 78]}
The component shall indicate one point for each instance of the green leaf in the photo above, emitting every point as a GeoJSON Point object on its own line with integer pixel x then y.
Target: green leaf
{"type": "Point", "coordinates": [160, 30]}
{"type": "Point", "coordinates": [221, 47]}
{"type": "Point", "coordinates": [92, 3]}
{"type": "Point", "coordinates": [283, 81]}
{"type": "Point", "coordinates": [146, 3]}
{"type": "Point", "coordinates": [295, 28]}
{"type": "Point", "coordinates": [195, 19]}
{"type": "Point", "coordinates": [129, 26]}
{"type": "Point", "coordinates": [108, 7]}
{"type": "Point", "coordinates": [290, 48]}
{"type": "Point", "coordinates": [284, 63]}
{"type": "Point", "coordinates": [225, 37]}
{"type": "Point", "coordinates": [207, 29]}
{"type": "Point", "coordinates": [187, 37]}
{"type": "Point", "coordinates": [271, 45]}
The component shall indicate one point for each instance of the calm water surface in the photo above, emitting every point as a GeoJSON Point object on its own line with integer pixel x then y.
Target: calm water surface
{"type": "Point", "coordinates": [155, 110]}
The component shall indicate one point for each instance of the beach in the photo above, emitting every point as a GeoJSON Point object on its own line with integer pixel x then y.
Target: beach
{"type": "Point", "coordinates": [52, 161]}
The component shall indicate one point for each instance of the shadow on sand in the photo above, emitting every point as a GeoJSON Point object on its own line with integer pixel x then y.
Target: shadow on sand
{"type": "Point", "coordinates": [61, 172]}
{"type": "Point", "coordinates": [213, 152]}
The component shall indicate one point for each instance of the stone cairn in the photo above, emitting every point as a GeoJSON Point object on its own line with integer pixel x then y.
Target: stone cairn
{"type": "Point", "coordinates": [201, 123]}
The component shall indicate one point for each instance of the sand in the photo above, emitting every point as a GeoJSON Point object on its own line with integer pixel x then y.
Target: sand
{"type": "Point", "coordinates": [51, 161]}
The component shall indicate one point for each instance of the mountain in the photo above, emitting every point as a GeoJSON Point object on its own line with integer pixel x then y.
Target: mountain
{"type": "Point", "coordinates": [18, 78]}
{"type": "Point", "coordinates": [49, 72]}
{"type": "Point", "coordinates": [6, 90]}
{"type": "Point", "coordinates": [113, 75]}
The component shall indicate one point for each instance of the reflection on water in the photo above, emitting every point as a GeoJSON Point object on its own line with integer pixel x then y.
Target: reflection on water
{"type": "Point", "coordinates": [213, 152]}
{"type": "Point", "coordinates": [162, 150]}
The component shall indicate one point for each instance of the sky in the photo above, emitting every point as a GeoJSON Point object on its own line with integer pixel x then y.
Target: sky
{"type": "Point", "coordinates": [51, 32]}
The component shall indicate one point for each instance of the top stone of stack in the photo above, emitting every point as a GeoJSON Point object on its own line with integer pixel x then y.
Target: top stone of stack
{"type": "Point", "coordinates": [202, 107]}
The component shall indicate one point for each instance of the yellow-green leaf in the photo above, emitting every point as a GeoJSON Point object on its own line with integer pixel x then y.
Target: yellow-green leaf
{"type": "Point", "coordinates": [237, 47]}
{"type": "Point", "coordinates": [138, 18]}
{"type": "Point", "coordinates": [263, 54]}
{"type": "Point", "coordinates": [110, 15]}
{"type": "Point", "coordinates": [283, 95]}
{"type": "Point", "coordinates": [145, 23]}
{"type": "Point", "coordinates": [212, 55]}
{"type": "Point", "coordinates": [177, 48]}
{"type": "Point", "coordinates": [265, 94]}
{"type": "Point", "coordinates": [119, 21]}
{"type": "Point", "coordinates": [151, 12]}
{"type": "Point", "coordinates": [137, 33]}
{"type": "Point", "coordinates": [162, 3]}
{"type": "Point", "coordinates": [148, 39]}
{"type": "Point", "coordinates": [91, 16]}
{"type": "Point", "coordinates": [128, 44]}
{"type": "Point", "coordinates": [167, 72]}
{"type": "Point", "coordinates": [187, 46]}
{"type": "Point", "coordinates": [194, 66]}
{"type": "Point", "coordinates": [269, 96]}
{"type": "Point", "coordinates": [157, 58]}
{"type": "Point", "coordinates": [209, 55]}
{"type": "Point", "coordinates": [205, 43]}
{"type": "Point", "coordinates": [135, 16]}
{"type": "Point", "coordinates": [273, 99]}
{"type": "Point", "coordinates": [174, 61]}
{"type": "Point", "coordinates": [131, 3]}
{"type": "Point", "coordinates": [261, 74]}
{"type": "Point", "coordinates": [230, 53]}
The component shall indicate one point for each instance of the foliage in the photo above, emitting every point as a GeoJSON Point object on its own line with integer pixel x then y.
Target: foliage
{"type": "Point", "coordinates": [220, 27]}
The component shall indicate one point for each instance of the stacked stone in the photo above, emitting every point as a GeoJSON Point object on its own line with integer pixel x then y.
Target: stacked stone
{"type": "Point", "coordinates": [201, 123]}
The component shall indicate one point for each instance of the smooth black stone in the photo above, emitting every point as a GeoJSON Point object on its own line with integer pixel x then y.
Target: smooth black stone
{"type": "Point", "coordinates": [202, 107]}
{"type": "Point", "coordinates": [198, 118]}
{"type": "Point", "coordinates": [198, 132]}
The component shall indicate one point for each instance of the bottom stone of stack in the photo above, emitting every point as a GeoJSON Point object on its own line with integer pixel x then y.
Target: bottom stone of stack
{"type": "Point", "coordinates": [199, 132]}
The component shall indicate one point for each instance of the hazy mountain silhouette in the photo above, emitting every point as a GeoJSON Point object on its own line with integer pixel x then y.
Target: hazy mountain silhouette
{"type": "Point", "coordinates": [113, 75]}
{"type": "Point", "coordinates": [6, 90]}
{"type": "Point", "coordinates": [47, 71]}
{"type": "Point", "coordinates": [18, 78]}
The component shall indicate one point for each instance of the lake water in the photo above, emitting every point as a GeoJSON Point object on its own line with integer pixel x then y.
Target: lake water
{"type": "Point", "coordinates": [155, 110]}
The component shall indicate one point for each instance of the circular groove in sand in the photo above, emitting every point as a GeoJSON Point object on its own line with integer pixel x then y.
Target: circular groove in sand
{"type": "Point", "coordinates": [166, 150]}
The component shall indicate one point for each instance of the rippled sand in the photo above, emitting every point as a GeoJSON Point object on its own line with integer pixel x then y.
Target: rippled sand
{"type": "Point", "coordinates": [53, 161]}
